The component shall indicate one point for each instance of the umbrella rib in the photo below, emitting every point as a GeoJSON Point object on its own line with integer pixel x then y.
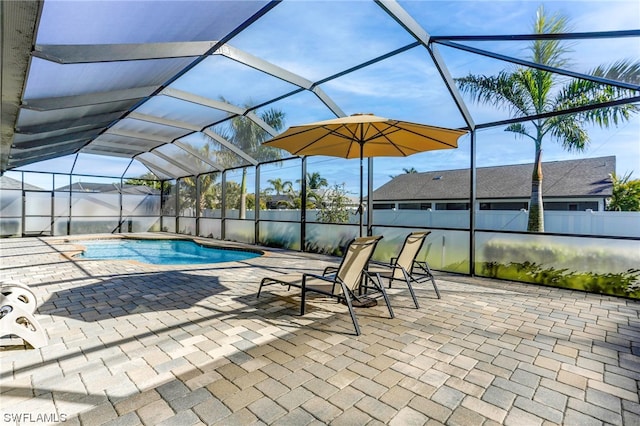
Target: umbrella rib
{"type": "Point", "coordinates": [310, 143]}
{"type": "Point", "coordinates": [352, 139]}
{"type": "Point", "coordinates": [383, 134]}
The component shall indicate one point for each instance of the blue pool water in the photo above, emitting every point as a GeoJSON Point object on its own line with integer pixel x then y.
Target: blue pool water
{"type": "Point", "coordinates": [161, 252]}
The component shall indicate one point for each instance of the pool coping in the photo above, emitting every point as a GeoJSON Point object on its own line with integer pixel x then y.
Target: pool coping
{"type": "Point", "coordinates": [208, 243]}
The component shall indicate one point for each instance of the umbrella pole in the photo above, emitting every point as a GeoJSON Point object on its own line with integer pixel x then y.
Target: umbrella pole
{"type": "Point", "coordinates": [361, 206]}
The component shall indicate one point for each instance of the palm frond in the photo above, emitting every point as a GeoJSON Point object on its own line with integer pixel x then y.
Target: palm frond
{"type": "Point", "coordinates": [535, 85]}
{"type": "Point", "coordinates": [550, 52]}
{"type": "Point", "coordinates": [623, 70]}
{"type": "Point", "coordinates": [580, 93]}
{"type": "Point", "coordinates": [500, 91]}
{"type": "Point", "coordinates": [518, 128]}
{"type": "Point", "coordinates": [570, 133]}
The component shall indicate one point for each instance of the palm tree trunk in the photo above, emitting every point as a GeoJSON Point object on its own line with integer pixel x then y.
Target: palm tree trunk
{"type": "Point", "coordinates": [243, 195]}
{"type": "Point", "coordinates": [536, 208]}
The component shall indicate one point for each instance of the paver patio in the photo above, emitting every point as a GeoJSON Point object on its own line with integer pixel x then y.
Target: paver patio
{"type": "Point", "coordinates": [172, 345]}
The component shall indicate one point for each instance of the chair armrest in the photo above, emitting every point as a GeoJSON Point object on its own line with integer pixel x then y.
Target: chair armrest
{"type": "Point", "coordinates": [421, 264]}
{"type": "Point", "coordinates": [423, 267]}
{"type": "Point", "coordinates": [320, 277]}
{"type": "Point", "coordinates": [332, 280]}
{"type": "Point", "coordinates": [330, 270]}
{"type": "Point", "coordinates": [378, 263]}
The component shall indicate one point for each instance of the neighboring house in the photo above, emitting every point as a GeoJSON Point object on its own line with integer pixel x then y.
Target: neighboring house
{"type": "Point", "coordinates": [573, 185]}
{"type": "Point", "coordinates": [277, 201]}
{"type": "Point", "coordinates": [106, 188]}
{"type": "Point", "coordinates": [8, 183]}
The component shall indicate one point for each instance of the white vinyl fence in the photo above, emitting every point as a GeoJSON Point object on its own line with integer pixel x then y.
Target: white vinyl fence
{"type": "Point", "coordinates": [613, 224]}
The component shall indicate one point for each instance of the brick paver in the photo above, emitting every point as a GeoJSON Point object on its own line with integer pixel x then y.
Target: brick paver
{"type": "Point", "coordinates": [131, 344]}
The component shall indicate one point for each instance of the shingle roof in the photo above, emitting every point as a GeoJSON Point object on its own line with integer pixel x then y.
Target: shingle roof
{"type": "Point", "coordinates": [108, 188]}
{"type": "Point", "coordinates": [585, 177]}
{"type": "Point", "coordinates": [9, 183]}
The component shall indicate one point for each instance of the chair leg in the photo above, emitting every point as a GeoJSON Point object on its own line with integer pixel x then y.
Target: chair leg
{"type": "Point", "coordinates": [260, 288]}
{"type": "Point", "coordinates": [345, 293]}
{"type": "Point", "coordinates": [433, 280]}
{"type": "Point", "coordinates": [408, 278]}
{"type": "Point", "coordinates": [303, 294]}
{"type": "Point", "coordinates": [435, 287]}
{"type": "Point", "coordinates": [384, 294]}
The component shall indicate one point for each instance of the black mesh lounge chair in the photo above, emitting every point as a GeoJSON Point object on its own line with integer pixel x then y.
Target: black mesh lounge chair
{"type": "Point", "coordinates": [344, 283]}
{"type": "Point", "coordinates": [405, 267]}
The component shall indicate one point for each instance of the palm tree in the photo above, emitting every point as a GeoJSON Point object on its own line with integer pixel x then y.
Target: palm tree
{"type": "Point", "coordinates": [147, 179]}
{"type": "Point", "coordinates": [248, 136]}
{"type": "Point", "coordinates": [315, 183]}
{"type": "Point", "coordinates": [279, 186]}
{"type": "Point", "coordinates": [526, 92]}
{"type": "Point", "coordinates": [410, 170]}
{"type": "Point", "coordinates": [625, 196]}
{"type": "Point", "coordinates": [208, 192]}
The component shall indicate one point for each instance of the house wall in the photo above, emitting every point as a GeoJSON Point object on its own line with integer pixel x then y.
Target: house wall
{"type": "Point", "coordinates": [620, 224]}
{"type": "Point", "coordinates": [559, 204]}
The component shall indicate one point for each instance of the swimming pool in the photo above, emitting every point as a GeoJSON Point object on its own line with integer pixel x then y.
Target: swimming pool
{"type": "Point", "coordinates": [161, 252]}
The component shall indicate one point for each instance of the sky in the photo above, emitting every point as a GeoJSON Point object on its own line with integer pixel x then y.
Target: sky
{"type": "Point", "coordinates": [317, 39]}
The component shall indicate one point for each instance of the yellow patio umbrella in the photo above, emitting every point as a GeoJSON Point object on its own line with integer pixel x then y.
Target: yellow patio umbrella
{"type": "Point", "coordinates": [363, 136]}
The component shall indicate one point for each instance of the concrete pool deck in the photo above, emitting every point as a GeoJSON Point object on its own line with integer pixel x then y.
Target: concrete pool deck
{"type": "Point", "coordinates": [132, 344]}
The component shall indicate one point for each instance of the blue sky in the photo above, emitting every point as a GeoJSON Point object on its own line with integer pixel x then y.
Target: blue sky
{"type": "Point", "coordinates": [317, 39]}
{"type": "Point", "coordinates": [398, 89]}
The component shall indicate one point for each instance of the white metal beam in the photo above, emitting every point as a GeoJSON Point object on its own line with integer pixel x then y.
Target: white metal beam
{"type": "Point", "coordinates": [164, 121]}
{"type": "Point", "coordinates": [155, 169]}
{"type": "Point", "coordinates": [328, 102]}
{"type": "Point", "coordinates": [62, 102]}
{"type": "Point", "coordinates": [91, 149]}
{"type": "Point", "coordinates": [90, 121]}
{"type": "Point", "coordinates": [54, 140]}
{"type": "Point", "coordinates": [174, 162]}
{"type": "Point", "coordinates": [136, 135]}
{"type": "Point", "coordinates": [131, 145]}
{"type": "Point", "coordinates": [196, 154]}
{"type": "Point", "coordinates": [264, 66]}
{"type": "Point", "coordinates": [86, 53]}
{"type": "Point", "coordinates": [201, 100]}
{"type": "Point", "coordinates": [260, 122]}
{"type": "Point", "coordinates": [222, 141]}
{"type": "Point", "coordinates": [219, 105]}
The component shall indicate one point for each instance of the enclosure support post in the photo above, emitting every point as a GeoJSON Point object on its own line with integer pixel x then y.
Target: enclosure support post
{"type": "Point", "coordinates": [256, 237]}
{"type": "Point", "coordinates": [303, 204]}
{"type": "Point", "coordinates": [120, 200]}
{"type": "Point", "coordinates": [198, 195]}
{"type": "Point", "coordinates": [472, 206]}
{"type": "Point", "coordinates": [223, 204]}
{"type": "Point", "coordinates": [176, 207]}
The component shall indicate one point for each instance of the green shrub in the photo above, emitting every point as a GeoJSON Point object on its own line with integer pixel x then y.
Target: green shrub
{"type": "Point", "coordinates": [625, 283]}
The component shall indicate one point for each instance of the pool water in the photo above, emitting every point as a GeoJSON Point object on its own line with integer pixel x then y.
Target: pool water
{"type": "Point", "coordinates": [161, 252]}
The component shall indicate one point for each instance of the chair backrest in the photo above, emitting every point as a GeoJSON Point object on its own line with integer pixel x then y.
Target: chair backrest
{"type": "Point", "coordinates": [356, 258]}
{"type": "Point", "coordinates": [408, 253]}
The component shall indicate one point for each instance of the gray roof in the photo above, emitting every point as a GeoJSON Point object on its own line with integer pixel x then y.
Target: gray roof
{"type": "Point", "coordinates": [588, 177]}
{"type": "Point", "coordinates": [9, 183]}
{"type": "Point", "coordinates": [109, 188]}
